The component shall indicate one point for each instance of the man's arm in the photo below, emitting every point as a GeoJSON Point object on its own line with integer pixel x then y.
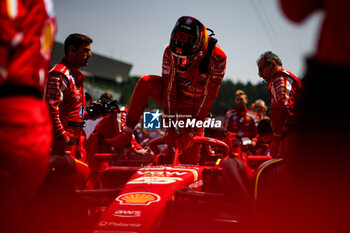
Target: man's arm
{"type": "Point", "coordinates": [54, 97]}
{"type": "Point", "coordinates": [281, 87]}
{"type": "Point", "coordinates": [212, 87]}
{"type": "Point", "coordinates": [168, 73]}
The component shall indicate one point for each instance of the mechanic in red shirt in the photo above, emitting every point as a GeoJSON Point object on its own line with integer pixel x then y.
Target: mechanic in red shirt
{"type": "Point", "coordinates": [65, 94]}
{"type": "Point", "coordinates": [109, 127]}
{"type": "Point", "coordinates": [261, 143]}
{"type": "Point", "coordinates": [284, 88]}
{"type": "Point", "coordinates": [241, 120]}
{"type": "Point", "coordinates": [192, 71]}
{"type": "Point", "coordinates": [66, 99]}
{"type": "Point", "coordinates": [260, 109]}
{"type": "Point", "coordinates": [28, 30]}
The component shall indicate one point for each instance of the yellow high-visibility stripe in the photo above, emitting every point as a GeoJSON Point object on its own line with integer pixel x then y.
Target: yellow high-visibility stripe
{"type": "Point", "coordinates": [258, 176]}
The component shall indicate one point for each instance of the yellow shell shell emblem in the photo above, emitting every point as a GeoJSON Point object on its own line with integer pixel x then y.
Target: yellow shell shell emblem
{"type": "Point", "coordinates": [138, 198]}
{"type": "Point", "coordinates": [47, 39]}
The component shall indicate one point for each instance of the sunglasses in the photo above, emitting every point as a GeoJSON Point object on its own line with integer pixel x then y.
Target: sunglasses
{"type": "Point", "coordinates": [261, 69]}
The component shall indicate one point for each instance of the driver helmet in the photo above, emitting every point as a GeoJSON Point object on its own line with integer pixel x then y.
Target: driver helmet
{"type": "Point", "coordinates": [188, 41]}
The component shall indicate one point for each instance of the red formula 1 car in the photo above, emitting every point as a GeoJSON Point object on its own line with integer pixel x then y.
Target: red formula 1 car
{"type": "Point", "coordinates": [168, 196]}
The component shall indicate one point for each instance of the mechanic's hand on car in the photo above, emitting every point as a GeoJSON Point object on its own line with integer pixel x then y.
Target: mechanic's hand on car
{"type": "Point", "coordinates": [185, 140]}
{"type": "Point", "coordinates": [122, 140]}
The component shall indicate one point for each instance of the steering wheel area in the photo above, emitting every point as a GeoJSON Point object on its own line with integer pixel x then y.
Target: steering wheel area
{"type": "Point", "coordinates": [211, 147]}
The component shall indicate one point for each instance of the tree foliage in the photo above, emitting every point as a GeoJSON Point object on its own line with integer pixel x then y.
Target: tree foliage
{"type": "Point", "coordinates": [226, 96]}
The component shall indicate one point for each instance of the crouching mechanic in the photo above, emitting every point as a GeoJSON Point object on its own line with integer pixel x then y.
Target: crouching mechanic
{"type": "Point", "coordinates": [65, 95]}
{"type": "Point", "coordinates": [192, 71]}
{"type": "Point", "coordinates": [109, 127]}
{"type": "Point", "coordinates": [239, 176]}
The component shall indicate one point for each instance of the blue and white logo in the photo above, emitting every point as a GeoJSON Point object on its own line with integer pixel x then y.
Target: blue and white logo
{"type": "Point", "coordinates": [189, 21]}
{"type": "Point", "coordinates": [151, 120]}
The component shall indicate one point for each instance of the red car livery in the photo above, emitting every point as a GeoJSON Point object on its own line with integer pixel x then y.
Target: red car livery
{"type": "Point", "coordinates": [143, 199]}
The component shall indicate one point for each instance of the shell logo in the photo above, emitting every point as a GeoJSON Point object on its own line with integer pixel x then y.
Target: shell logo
{"type": "Point", "coordinates": [47, 39]}
{"type": "Point", "coordinates": [138, 198]}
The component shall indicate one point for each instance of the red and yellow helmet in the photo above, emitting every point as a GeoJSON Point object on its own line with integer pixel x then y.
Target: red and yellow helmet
{"type": "Point", "coordinates": [189, 39]}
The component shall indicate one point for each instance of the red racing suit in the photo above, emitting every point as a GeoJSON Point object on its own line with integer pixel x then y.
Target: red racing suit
{"type": "Point", "coordinates": [191, 92]}
{"type": "Point", "coordinates": [109, 127]}
{"type": "Point", "coordinates": [65, 95]}
{"type": "Point", "coordinates": [187, 92]}
{"type": "Point", "coordinates": [242, 122]}
{"type": "Point", "coordinates": [28, 28]}
{"type": "Point", "coordinates": [261, 144]}
{"type": "Point", "coordinates": [283, 89]}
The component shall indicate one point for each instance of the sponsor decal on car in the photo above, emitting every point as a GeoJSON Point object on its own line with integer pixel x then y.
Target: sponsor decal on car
{"type": "Point", "coordinates": [169, 170]}
{"type": "Point", "coordinates": [155, 180]}
{"type": "Point", "coordinates": [118, 224]}
{"type": "Point", "coordinates": [127, 213]}
{"type": "Point", "coordinates": [161, 173]}
{"type": "Point", "coordinates": [138, 198]}
{"type": "Point", "coordinates": [196, 184]}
